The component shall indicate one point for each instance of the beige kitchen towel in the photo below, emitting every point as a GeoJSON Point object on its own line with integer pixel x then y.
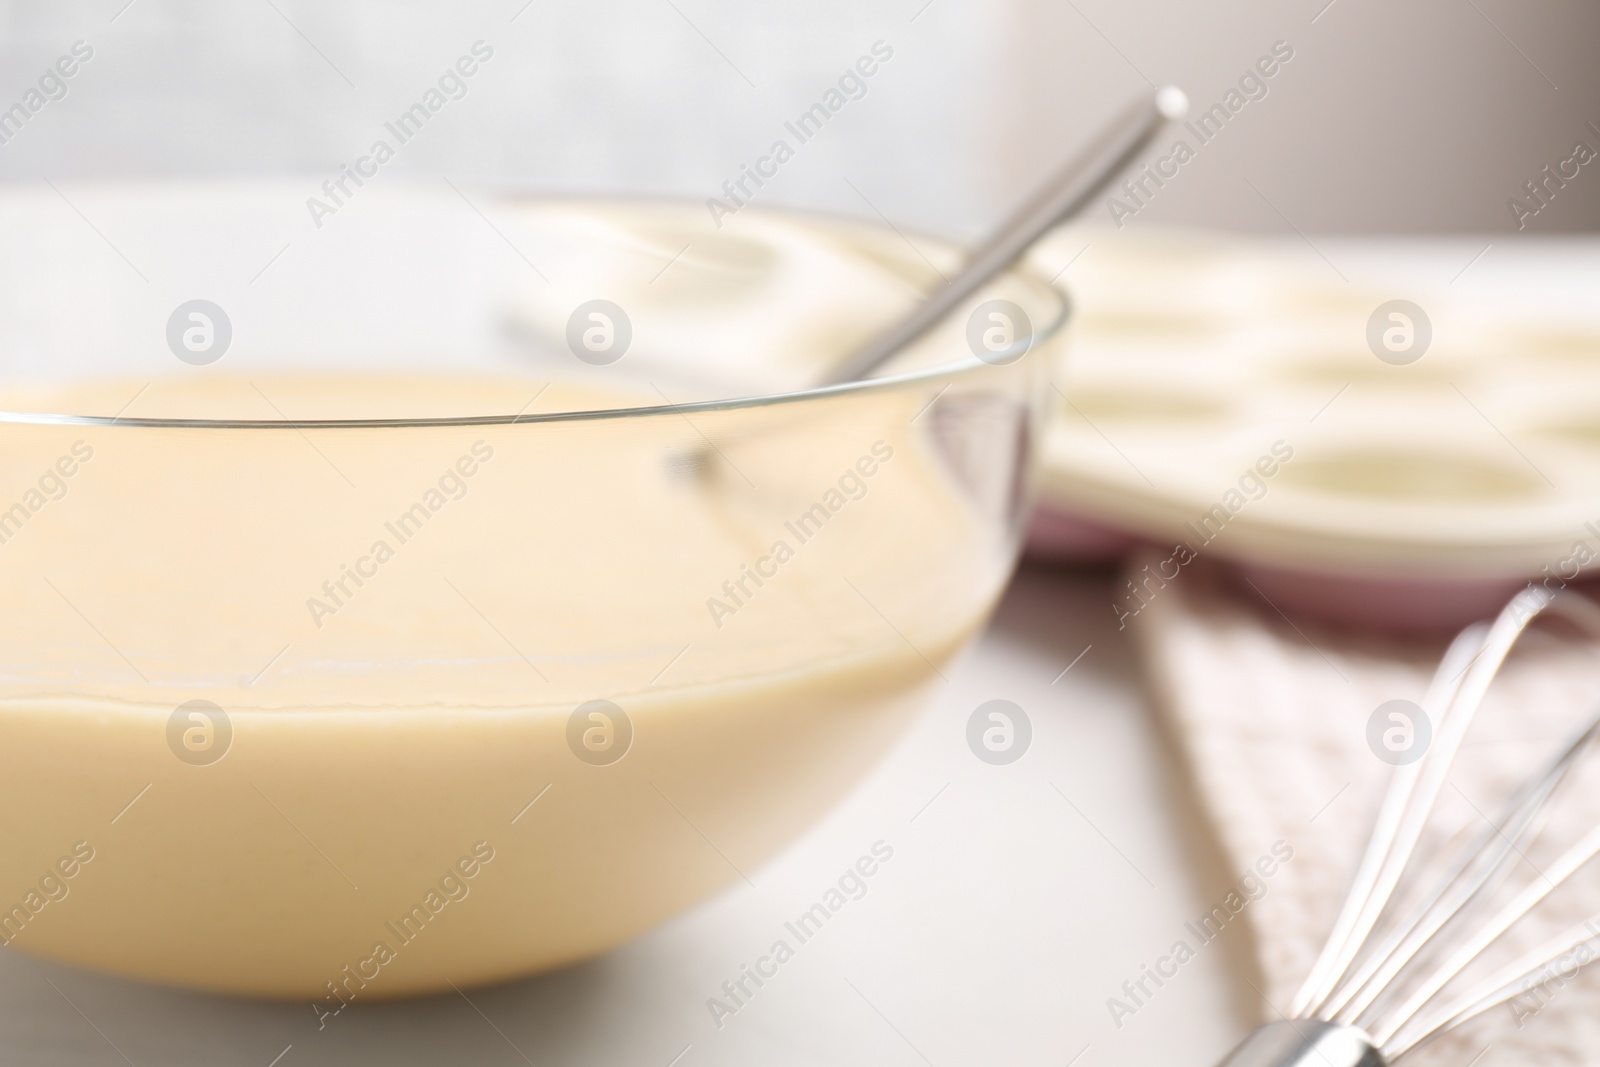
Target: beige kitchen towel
{"type": "Point", "coordinates": [1271, 717]}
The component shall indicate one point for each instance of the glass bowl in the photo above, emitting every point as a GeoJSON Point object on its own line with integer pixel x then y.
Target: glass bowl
{"type": "Point", "coordinates": [346, 677]}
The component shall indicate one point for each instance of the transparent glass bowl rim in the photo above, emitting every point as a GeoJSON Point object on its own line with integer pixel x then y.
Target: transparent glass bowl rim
{"type": "Point", "coordinates": [951, 369]}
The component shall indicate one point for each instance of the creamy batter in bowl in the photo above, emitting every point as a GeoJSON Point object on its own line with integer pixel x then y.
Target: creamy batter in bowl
{"type": "Point", "coordinates": [349, 685]}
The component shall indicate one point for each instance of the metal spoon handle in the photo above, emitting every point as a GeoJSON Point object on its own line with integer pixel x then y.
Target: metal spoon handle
{"type": "Point", "coordinates": [1064, 194]}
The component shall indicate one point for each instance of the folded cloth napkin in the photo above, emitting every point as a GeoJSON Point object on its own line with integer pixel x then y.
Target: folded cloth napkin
{"type": "Point", "coordinates": [1271, 717]}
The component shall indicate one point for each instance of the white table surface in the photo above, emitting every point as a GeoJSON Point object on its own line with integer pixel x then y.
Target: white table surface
{"type": "Point", "coordinates": [1018, 899]}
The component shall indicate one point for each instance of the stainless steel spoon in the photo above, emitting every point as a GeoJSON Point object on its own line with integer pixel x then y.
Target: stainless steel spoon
{"type": "Point", "coordinates": [1064, 194]}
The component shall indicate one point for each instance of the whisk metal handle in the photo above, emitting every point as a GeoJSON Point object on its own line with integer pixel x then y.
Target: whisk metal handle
{"type": "Point", "coordinates": [1305, 1043]}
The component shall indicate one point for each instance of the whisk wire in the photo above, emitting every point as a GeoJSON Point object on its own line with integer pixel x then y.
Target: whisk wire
{"type": "Point", "coordinates": [1345, 1005]}
{"type": "Point", "coordinates": [1414, 790]}
{"type": "Point", "coordinates": [1564, 868]}
{"type": "Point", "coordinates": [1343, 941]}
{"type": "Point", "coordinates": [1517, 823]}
{"type": "Point", "coordinates": [1505, 984]}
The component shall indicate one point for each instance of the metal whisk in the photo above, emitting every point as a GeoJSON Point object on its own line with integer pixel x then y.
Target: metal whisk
{"type": "Point", "coordinates": [1374, 994]}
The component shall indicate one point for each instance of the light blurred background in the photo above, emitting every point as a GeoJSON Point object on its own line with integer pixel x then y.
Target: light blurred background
{"type": "Point", "coordinates": [1421, 117]}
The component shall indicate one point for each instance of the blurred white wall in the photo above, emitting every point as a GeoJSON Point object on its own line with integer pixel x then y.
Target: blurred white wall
{"type": "Point", "coordinates": [1414, 116]}
{"type": "Point", "coordinates": [1422, 116]}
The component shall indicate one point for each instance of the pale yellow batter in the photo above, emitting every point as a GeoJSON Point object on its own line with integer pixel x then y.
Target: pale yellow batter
{"type": "Point", "coordinates": [399, 625]}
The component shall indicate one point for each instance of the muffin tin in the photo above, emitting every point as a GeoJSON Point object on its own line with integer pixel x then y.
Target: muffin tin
{"type": "Point", "coordinates": [1416, 492]}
